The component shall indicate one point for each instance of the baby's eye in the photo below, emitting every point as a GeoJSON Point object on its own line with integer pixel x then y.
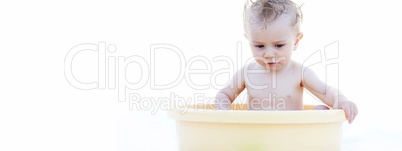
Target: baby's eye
{"type": "Point", "coordinates": [279, 45]}
{"type": "Point", "coordinates": [259, 46]}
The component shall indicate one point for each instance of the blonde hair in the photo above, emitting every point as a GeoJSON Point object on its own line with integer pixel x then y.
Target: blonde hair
{"type": "Point", "coordinates": [265, 9]}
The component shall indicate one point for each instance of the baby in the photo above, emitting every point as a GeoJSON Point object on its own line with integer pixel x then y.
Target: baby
{"type": "Point", "coordinates": [274, 81]}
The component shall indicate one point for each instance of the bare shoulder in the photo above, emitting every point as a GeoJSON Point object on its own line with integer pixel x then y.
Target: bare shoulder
{"type": "Point", "coordinates": [297, 70]}
{"type": "Point", "coordinates": [306, 74]}
{"type": "Point", "coordinates": [301, 69]}
{"type": "Point", "coordinates": [246, 68]}
{"type": "Point", "coordinates": [242, 72]}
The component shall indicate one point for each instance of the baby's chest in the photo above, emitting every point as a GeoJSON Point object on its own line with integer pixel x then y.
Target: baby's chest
{"type": "Point", "coordinates": [261, 86]}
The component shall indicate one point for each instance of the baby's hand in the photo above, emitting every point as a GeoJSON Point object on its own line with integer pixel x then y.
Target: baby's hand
{"type": "Point", "coordinates": [349, 107]}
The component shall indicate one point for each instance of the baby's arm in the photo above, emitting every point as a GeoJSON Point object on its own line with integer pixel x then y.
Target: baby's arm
{"type": "Point", "coordinates": [227, 95]}
{"type": "Point", "coordinates": [328, 94]}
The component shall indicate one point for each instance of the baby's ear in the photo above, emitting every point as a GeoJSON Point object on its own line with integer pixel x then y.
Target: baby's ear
{"type": "Point", "coordinates": [298, 38]}
{"type": "Point", "coordinates": [300, 35]}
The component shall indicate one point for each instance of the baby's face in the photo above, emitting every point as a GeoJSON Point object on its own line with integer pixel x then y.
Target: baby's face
{"type": "Point", "coordinates": [272, 47]}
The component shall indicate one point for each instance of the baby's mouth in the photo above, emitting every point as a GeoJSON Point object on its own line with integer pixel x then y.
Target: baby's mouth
{"type": "Point", "coordinates": [272, 63]}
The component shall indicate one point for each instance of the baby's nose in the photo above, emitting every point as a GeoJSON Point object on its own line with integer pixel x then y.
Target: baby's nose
{"type": "Point", "coordinates": [269, 54]}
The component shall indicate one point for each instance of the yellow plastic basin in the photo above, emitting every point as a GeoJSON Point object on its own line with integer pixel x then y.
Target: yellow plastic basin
{"type": "Point", "coordinates": [202, 128]}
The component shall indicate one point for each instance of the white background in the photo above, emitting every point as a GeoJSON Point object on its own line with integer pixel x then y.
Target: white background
{"type": "Point", "coordinates": [39, 109]}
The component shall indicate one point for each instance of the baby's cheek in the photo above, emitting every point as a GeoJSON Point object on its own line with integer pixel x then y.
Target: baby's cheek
{"type": "Point", "coordinates": [259, 60]}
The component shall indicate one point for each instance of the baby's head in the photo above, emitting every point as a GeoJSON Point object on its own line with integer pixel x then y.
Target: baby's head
{"type": "Point", "coordinates": [272, 28]}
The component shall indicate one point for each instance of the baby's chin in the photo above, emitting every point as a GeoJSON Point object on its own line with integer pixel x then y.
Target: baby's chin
{"type": "Point", "coordinates": [276, 68]}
